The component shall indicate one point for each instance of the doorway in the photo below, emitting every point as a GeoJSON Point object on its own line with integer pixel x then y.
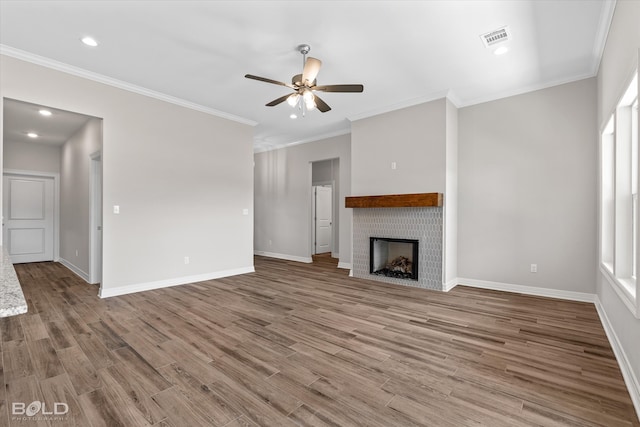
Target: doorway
{"type": "Point", "coordinates": [45, 141]}
{"type": "Point", "coordinates": [322, 211]}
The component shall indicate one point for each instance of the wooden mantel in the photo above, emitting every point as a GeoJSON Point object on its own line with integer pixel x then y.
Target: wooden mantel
{"type": "Point", "coordinates": [418, 200]}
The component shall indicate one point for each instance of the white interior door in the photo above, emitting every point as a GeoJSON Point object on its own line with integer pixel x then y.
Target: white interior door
{"type": "Point", "coordinates": [28, 218]}
{"type": "Point", "coordinates": [323, 227]}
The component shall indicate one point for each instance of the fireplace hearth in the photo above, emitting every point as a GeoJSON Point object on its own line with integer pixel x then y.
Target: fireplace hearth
{"type": "Point", "coordinates": [396, 258]}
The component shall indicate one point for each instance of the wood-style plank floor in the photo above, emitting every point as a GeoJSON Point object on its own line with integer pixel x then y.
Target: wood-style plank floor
{"type": "Point", "coordinates": [301, 344]}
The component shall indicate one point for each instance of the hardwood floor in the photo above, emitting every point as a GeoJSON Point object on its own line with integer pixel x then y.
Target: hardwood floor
{"type": "Point", "coordinates": [300, 344]}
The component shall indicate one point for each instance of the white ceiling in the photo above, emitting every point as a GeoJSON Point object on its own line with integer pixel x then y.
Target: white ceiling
{"type": "Point", "coordinates": [20, 118]}
{"type": "Point", "coordinates": [404, 52]}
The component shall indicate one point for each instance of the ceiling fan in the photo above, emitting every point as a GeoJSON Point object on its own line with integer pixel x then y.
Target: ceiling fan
{"type": "Point", "coordinates": [304, 86]}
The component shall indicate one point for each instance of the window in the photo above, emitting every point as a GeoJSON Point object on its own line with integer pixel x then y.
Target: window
{"type": "Point", "coordinates": [634, 188]}
{"type": "Point", "coordinates": [619, 198]}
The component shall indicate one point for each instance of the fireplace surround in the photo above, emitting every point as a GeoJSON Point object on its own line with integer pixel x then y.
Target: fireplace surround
{"type": "Point", "coordinates": [409, 217]}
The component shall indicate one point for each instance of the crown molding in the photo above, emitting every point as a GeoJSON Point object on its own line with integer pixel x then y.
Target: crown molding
{"type": "Point", "coordinates": [99, 78]}
{"type": "Point", "coordinates": [314, 138]}
{"type": "Point", "coordinates": [604, 25]}
{"type": "Point", "coordinates": [403, 104]}
{"type": "Point", "coordinates": [525, 89]}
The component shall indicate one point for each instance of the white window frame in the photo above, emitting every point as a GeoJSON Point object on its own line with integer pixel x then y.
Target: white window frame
{"type": "Point", "coordinates": [619, 234]}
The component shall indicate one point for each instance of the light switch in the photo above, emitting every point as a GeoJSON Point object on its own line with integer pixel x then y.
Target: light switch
{"type": "Point", "coordinates": [116, 209]}
{"type": "Point", "coordinates": [245, 211]}
{"type": "Point", "coordinates": [393, 165]}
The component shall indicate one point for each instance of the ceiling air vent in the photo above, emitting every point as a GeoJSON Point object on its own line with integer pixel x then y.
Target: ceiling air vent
{"type": "Point", "coordinates": [494, 37]}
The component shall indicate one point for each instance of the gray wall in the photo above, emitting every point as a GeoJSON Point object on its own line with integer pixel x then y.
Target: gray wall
{"type": "Point", "coordinates": [619, 61]}
{"type": "Point", "coordinates": [414, 138]}
{"type": "Point", "coordinates": [74, 195]}
{"type": "Point", "coordinates": [181, 178]}
{"type": "Point", "coordinates": [527, 179]}
{"type": "Point", "coordinates": [32, 157]}
{"type": "Point", "coordinates": [283, 198]}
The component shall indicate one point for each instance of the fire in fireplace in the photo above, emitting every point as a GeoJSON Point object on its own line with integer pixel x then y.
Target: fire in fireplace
{"type": "Point", "coordinates": [396, 258]}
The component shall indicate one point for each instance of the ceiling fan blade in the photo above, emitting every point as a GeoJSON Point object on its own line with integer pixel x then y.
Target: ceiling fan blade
{"type": "Point", "coordinates": [278, 101]}
{"type": "Point", "coordinates": [266, 80]}
{"type": "Point", "coordinates": [311, 70]}
{"type": "Point", "coordinates": [339, 88]}
{"type": "Point", "coordinates": [322, 106]}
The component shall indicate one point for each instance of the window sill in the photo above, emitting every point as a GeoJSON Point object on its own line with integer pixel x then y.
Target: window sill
{"type": "Point", "coordinates": [625, 288]}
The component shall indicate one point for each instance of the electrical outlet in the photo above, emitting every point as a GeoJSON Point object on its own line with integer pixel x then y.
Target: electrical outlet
{"type": "Point", "coordinates": [186, 260]}
{"type": "Point", "coordinates": [393, 165]}
{"type": "Point", "coordinates": [76, 252]}
{"type": "Point", "coordinates": [245, 211]}
{"type": "Point", "coordinates": [534, 268]}
{"type": "Point", "coordinates": [116, 209]}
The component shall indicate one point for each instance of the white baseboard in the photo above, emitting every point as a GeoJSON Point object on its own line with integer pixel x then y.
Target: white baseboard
{"type": "Point", "coordinates": [450, 285]}
{"type": "Point", "coordinates": [345, 265]}
{"type": "Point", "coordinates": [139, 287]}
{"type": "Point", "coordinates": [528, 290]}
{"type": "Point", "coordinates": [76, 270]}
{"type": "Point", "coordinates": [630, 379]}
{"type": "Point", "coordinates": [335, 255]}
{"type": "Point", "coordinates": [307, 260]}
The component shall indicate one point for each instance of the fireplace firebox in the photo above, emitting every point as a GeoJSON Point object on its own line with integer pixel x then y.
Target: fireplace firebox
{"type": "Point", "coordinates": [396, 258]}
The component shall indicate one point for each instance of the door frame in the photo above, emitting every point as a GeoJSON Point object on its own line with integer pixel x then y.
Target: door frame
{"type": "Point", "coordinates": [56, 202]}
{"type": "Point", "coordinates": [95, 207]}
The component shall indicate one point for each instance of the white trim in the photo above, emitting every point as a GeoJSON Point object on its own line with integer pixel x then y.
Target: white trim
{"type": "Point", "coordinates": [345, 265]}
{"type": "Point", "coordinates": [446, 287]}
{"type": "Point", "coordinates": [90, 75]}
{"type": "Point", "coordinates": [526, 89]}
{"type": "Point", "coordinates": [405, 104]}
{"type": "Point", "coordinates": [76, 270]}
{"type": "Point", "coordinates": [630, 379]}
{"type": "Point", "coordinates": [56, 202]}
{"type": "Point", "coordinates": [528, 290]}
{"type": "Point", "coordinates": [620, 290]}
{"type": "Point", "coordinates": [306, 260]}
{"type": "Point", "coordinates": [148, 286]}
{"type": "Point", "coordinates": [335, 255]}
{"type": "Point", "coordinates": [264, 146]}
{"type": "Point", "coordinates": [606, 17]}
{"type": "Point", "coordinates": [95, 211]}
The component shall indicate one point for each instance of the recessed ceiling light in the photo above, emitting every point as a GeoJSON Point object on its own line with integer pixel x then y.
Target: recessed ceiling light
{"type": "Point", "coordinates": [32, 135]}
{"type": "Point", "coordinates": [501, 50]}
{"type": "Point", "coordinates": [45, 112]}
{"type": "Point", "coordinates": [89, 41]}
{"type": "Point", "coordinates": [293, 116]}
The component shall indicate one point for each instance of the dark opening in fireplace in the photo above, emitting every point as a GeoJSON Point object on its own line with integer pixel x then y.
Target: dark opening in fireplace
{"type": "Point", "coordinates": [393, 257]}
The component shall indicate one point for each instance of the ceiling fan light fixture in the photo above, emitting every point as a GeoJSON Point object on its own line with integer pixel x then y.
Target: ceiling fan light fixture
{"type": "Point", "coordinates": [305, 84]}
{"type": "Point", "coordinates": [293, 99]}
{"type": "Point", "coordinates": [309, 99]}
